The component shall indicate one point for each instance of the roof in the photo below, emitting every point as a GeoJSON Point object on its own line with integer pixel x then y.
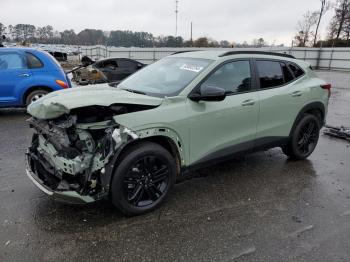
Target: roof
{"type": "Point", "coordinates": [210, 54]}
{"type": "Point", "coordinates": [224, 54]}
{"type": "Point", "coordinates": [20, 49]}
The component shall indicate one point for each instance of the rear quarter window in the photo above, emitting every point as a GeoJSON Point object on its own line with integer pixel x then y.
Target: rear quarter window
{"type": "Point", "coordinates": [297, 71]}
{"type": "Point", "coordinates": [288, 76]}
{"type": "Point", "coordinates": [33, 61]}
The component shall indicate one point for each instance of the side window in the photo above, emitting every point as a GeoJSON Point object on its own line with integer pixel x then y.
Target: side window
{"type": "Point", "coordinates": [126, 64]}
{"type": "Point", "coordinates": [297, 71]}
{"type": "Point", "coordinates": [270, 74]}
{"type": "Point", "coordinates": [11, 61]}
{"type": "Point", "coordinates": [33, 61]}
{"type": "Point", "coordinates": [288, 76]}
{"type": "Point", "coordinates": [109, 64]}
{"type": "Point", "coordinates": [233, 77]}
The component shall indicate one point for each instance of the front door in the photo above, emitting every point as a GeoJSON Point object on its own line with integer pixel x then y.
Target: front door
{"type": "Point", "coordinates": [13, 71]}
{"type": "Point", "coordinates": [218, 129]}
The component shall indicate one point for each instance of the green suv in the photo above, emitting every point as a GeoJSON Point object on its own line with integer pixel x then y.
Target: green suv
{"type": "Point", "coordinates": [191, 109]}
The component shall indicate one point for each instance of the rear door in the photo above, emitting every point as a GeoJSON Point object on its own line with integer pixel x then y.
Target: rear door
{"type": "Point", "coordinates": [282, 95]}
{"type": "Point", "coordinates": [13, 73]}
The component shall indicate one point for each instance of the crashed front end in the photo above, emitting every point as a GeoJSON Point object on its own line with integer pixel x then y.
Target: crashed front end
{"type": "Point", "coordinates": [76, 142]}
{"type": "Point", "coordinates": [69, 160]}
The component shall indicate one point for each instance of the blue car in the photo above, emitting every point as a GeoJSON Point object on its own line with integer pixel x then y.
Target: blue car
{"type": "Point", "coordinates": [27, 74]}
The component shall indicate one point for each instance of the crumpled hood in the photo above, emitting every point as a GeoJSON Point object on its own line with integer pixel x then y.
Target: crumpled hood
{"type": "Point", "coordinates": [61, 102]}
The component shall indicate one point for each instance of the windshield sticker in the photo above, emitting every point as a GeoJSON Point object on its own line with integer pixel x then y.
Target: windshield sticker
{"type": "Point", "coordinates": [192, 68]}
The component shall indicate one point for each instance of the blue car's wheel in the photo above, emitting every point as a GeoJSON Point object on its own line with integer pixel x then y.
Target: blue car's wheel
{"type": "Point", "coordinates": [35, 95]}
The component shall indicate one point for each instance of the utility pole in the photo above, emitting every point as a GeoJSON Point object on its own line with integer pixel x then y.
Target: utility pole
{"type": "Point", "coordinates": [176, 13]}
{"type": "Point", "coordinates": [191, 34]}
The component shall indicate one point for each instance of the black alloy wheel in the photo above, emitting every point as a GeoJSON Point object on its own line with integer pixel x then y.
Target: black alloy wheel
{"type": "Point", "coordinates": [304, 138]}
{"type": "Point", "coordinates": [307, 137]}
{"type": "Point", "coordinates": [143, 178]}
{"type": "Point", "coordinates": [146, 181]}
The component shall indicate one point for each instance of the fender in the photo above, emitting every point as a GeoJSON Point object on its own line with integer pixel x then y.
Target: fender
{"type": "Point", "coordinates": [311, 106]}
{"type": "Point", "coordinates": [166, 132]}
{"type": "Point", "coordinates": [143, 135]}
{"type": "Point", "coordinates": [36, 81]}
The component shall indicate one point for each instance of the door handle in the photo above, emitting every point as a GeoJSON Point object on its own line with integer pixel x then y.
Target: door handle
{"type": "Point", "coordinates": [23, 75]}
{"type": "Point", "coordinates": [249, 102]}
{"type": "Point", "coordinates": [296, 93]}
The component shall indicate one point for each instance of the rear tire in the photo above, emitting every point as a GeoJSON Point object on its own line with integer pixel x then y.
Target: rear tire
{"type": "Point", "coordinates": [143, 179]}
{"type": "Point", "coordinates": [304, 138]}
{"type": "Point", "coordinates": [35, 95]}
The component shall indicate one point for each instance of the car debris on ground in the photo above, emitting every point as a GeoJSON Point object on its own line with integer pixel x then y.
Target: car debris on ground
{"type": "Point", "coordinates": [338, 132]}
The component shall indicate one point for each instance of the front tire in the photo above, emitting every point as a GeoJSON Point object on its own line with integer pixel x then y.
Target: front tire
{"type": "Point", "coordinates": [304, 138]}
{"type": "Point", "coordinates": [143, 179]}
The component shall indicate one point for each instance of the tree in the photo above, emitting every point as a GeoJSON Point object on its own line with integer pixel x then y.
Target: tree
{"type": "Point", "coordinates": [128, 39]}
{"type": "Point", "coordinates": [2, 29]}
{"type": "Point", "coordinates": [24, 32]}
{"type": "Point", "coordinates": [10, 31]}
{"type": "Point", "coordinates": [347, 27]}
{"type": "Point", "coordinates": [224, 43]}
{"type": "Point", "coordinates": [124, 38]}
{"type": "Point", "coordinates": [188, 43]}
{"type": "Point", "coordinates": [68, 37]}
{"type": "Point", "coordinates": [324, 8]}
{"type": "Point", "coordinates": [260, 42]}
{"type": "Point", "coordinates": [91, 37]}
{"type": "Point", "coordinates": [340, 20]}
{"type": "Point", "coordinates": [201, 42]}
{"type": "Point", "coordinates": [305, 28]}
{"type": "Point", "coordinates": [213, 43]}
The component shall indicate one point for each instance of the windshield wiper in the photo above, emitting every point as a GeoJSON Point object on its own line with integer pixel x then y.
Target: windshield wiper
{"type": "Point", "coordinates": [134, 91]}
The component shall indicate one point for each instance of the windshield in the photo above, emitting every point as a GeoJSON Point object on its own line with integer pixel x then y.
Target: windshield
{"type": "Point", "coordinates": [167, 77]}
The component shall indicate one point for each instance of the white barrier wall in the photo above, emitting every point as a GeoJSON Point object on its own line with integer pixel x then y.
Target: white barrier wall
{"type": "Point", "coordinates": [322, 58]}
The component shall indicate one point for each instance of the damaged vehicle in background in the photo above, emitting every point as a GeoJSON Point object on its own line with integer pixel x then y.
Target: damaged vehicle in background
{"type": "Point", "coordinates": [131, 143]}
{"type": "Point", "coordinates": [110, 70]}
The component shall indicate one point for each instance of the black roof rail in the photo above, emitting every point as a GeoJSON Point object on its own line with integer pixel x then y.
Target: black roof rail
{"type": "Point", "coordinates": [256, 53]}
{"type": "Point", "coordinates": [185, 51]}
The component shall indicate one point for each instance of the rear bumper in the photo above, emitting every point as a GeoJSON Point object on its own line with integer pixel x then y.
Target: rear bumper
{"type": "Point", "coordinates": [71, 197]}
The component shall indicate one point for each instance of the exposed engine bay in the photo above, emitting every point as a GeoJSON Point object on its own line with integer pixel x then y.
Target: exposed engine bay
{"type": "Point", "coordinates": [71, 152]}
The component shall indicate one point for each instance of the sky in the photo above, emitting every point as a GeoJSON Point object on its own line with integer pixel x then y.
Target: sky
{"type": "Point", "coordinates": [232, 20]}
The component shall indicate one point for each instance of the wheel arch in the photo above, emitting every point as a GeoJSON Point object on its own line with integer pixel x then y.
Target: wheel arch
{"type": "Point", "coordinates": [314, 108]}
{"type": "Point", "coordinates": [33, 88]}
{"type": "Point", "coordinates": [164, 141]}
{"type": "Point", "coordinates": [161, 136]}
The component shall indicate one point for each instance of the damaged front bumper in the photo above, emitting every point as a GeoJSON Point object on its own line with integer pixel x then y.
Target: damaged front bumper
{"type": "Point", "coordinates": [71, 197]}
{"type": "Point", "coordinates": [74, 162]}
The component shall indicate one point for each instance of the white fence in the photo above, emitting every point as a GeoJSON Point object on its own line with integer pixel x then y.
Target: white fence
{"type": "Point", "coordinates": [320, 58]}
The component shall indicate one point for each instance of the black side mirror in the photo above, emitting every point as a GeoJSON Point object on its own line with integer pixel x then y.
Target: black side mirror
{"type": "Point", "coordinates": [209, 93]}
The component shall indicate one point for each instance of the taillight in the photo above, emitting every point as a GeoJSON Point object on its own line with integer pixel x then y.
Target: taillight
{"type": "Point", "coordinates": [62, 83]}
{"type": "Point", "coordinates": [327, 87]}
